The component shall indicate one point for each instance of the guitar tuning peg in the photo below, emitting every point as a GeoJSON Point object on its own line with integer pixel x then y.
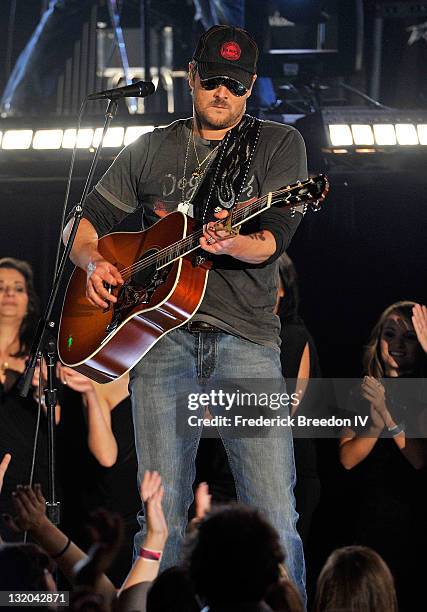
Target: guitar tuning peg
{"type": "Point", "coordinates": [316, 206]}
{"type": "Point", "coordinates": [292, 211]}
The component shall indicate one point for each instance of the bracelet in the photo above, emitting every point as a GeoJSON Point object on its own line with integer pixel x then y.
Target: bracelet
{"type": "Point", "coordinates": [150, 555]}
{"type": "Point", "coordinates": [61, 552]}
{"type": "Point", "coordinates": [395, 431]}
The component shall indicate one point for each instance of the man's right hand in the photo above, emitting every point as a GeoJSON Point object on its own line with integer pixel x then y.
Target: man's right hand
{"type": "Point", "coordinates": [100, 275]}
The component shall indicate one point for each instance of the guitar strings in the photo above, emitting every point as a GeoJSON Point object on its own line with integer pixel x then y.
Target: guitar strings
{"type": "Point", "coordinates": [148, 261]}
{"type": "Point", "coordinates": [238, 215]}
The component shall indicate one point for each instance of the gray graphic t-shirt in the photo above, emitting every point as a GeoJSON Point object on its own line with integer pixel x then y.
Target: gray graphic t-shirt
{"type": "Point", "coordinates": [155, 173]}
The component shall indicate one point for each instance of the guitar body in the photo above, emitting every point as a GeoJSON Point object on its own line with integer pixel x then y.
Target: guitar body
{"type": "Point", "coordinates": [104, 345]}
{"type": "Point", "coordinates": [163, 286]}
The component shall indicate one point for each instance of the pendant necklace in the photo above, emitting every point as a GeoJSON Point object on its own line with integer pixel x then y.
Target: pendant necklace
{"type": "Point", "coordinates": [197, 173]}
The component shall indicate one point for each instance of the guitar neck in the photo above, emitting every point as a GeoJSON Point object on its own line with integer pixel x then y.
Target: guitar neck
{"type": "Point", "coordinates": [313, 190]}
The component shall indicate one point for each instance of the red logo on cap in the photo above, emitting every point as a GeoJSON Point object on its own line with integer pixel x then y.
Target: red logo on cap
{"type": "Point", "coordinates": [230, 51]}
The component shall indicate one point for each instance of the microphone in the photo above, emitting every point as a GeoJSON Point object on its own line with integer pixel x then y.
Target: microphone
{"type": "Point", "coordinates": [141, 89]}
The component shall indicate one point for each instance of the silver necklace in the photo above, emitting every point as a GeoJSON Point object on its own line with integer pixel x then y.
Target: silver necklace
{"type": "Point", "coordinates": [198, 173]}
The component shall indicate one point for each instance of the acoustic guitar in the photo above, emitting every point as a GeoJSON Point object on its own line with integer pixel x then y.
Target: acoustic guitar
{"type": "Point", "coordinates": [165, 276]}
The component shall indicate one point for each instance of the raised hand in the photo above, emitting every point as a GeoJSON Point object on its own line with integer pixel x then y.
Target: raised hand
{"type": "Point", "coordinates": [152, 493]}
{"type": "Point", "coordinates": [373, 391]}
{"type": "Point", "coordinates": [419, 321]}
{"type": "Point", "coordinates": [3, 468]}
{"type": "Point", "coordinates": [203, 501]}
{"type": "Point", "coordinates": [29, 509]}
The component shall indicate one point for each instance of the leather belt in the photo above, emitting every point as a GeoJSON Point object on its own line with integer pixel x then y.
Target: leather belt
{"type": "Point", "coordinates": [197, 327]}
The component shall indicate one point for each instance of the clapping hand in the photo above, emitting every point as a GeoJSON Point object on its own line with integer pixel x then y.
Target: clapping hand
{"type": "Point", "coordinates": [374, 392]}
{"type": "Point", "coordinates": [3, 468]}
{"type": "Point", "coordinates": [29, 509]}
{"type": "Point", "coordinates": [419, 321]}
{"type": "Point", "coordinates": [203, 501]}
{"type": "Point", "coordinates": [152, 493]}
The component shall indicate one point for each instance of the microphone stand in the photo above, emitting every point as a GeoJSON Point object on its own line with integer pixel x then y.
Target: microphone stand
{"type": "Point", "coordinates": [46, 325]}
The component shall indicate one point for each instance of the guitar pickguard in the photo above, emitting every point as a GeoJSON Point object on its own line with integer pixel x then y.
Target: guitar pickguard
{"type": "Point", "coordinates": [137, 291]}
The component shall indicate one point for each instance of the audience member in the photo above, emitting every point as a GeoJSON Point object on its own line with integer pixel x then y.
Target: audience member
{"type": "Point", "coordinates": [107, 467]}
{"type": "Point", "coordinates": [234, 557]}
{"type": "Point", "coordinates": [355, 579]}
{"type": "Point", "coordinates": [29, 514]}
{"type": "Point", "coordinates": [19, 417]}
{"type": "Point", "coordinates": [385, 500]}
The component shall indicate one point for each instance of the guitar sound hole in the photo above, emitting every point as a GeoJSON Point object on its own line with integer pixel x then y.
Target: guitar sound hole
{"type": "Point", "coordinates": [137, 290]}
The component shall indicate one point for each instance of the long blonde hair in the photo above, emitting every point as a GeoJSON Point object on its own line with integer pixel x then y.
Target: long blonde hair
{"type": "Point", "coordinates": [372, 361]}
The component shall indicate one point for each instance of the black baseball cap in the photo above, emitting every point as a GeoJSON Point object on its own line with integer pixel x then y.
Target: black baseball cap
{"type": "Point", "coordinates": [227, 51]}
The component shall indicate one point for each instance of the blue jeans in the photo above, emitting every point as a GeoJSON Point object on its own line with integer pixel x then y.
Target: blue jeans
{"type": "Point", "coordinates": [263, 468]}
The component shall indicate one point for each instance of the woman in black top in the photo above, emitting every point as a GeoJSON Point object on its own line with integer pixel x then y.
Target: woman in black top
{"type": "Point", "coordinates": [385, 501]}
{"type": "Point", "coordinates": [18, 415]}
{"type": "Point", "coordinates": [97, 431]}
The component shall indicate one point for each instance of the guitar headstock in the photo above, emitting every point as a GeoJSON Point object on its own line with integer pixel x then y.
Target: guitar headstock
{"type": "Point", "coordinates": [307, 193]}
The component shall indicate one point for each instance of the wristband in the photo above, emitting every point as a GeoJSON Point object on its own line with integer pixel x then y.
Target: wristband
{"type": "Point", "coordinates": [61, 552]}
{"type": "Point", "coordinates": [150, 555]}
{"type": "Point", "coordinates": [395, 431]}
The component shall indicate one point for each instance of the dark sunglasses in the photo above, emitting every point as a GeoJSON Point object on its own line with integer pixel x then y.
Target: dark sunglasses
{"type": "Point", "coordinates": [236, 88]}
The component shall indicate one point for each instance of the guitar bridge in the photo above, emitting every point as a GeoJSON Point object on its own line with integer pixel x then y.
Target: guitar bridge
{"type": "Point", "coordinates": [133, 294]}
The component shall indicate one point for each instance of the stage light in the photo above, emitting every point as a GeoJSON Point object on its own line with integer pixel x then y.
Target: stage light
{"type": "Point", "coordinates": [340, 135]}
{"type": "Point", "coordinates": [47, 139]}
{"type": "Point", "coordinates": [113, 137]}
{"type": "Point", "coordinates": [385, 134]}
{"type": "Point", "coordinates": [422, 133]}
{"type": "Point", "coordinates": [134, 132]}
{"type": "Point", "coordinates": [363, 129]}
{"type": "Point", "coordinates": [362, 134]}
{"type": "Point", "coordinates": [17, 139]}
{"type": "Point", "coordinates": [406, 134]}
{"type": "Point", "coordinates": [84, 138]}
{"type": "Point", "coordinates": [364, 139]}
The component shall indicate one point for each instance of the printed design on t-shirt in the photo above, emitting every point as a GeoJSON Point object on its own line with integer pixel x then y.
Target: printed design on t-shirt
{"type": "Point", "coordinates": [173, 193]}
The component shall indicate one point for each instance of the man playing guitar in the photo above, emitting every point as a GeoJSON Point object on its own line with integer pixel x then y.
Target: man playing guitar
{"type": "Point", "coordinates": [203, 166]}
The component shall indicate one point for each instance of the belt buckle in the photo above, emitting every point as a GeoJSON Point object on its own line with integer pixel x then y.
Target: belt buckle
{"type": "Point", "coordinates": [198, 327]}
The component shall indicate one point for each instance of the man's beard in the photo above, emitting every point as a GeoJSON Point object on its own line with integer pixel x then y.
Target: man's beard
{"type": "Point", "coordinates": [219, 123]}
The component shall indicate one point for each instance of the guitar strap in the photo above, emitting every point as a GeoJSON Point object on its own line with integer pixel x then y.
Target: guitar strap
{"type": "Point", "coordinates": [223, 184]}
